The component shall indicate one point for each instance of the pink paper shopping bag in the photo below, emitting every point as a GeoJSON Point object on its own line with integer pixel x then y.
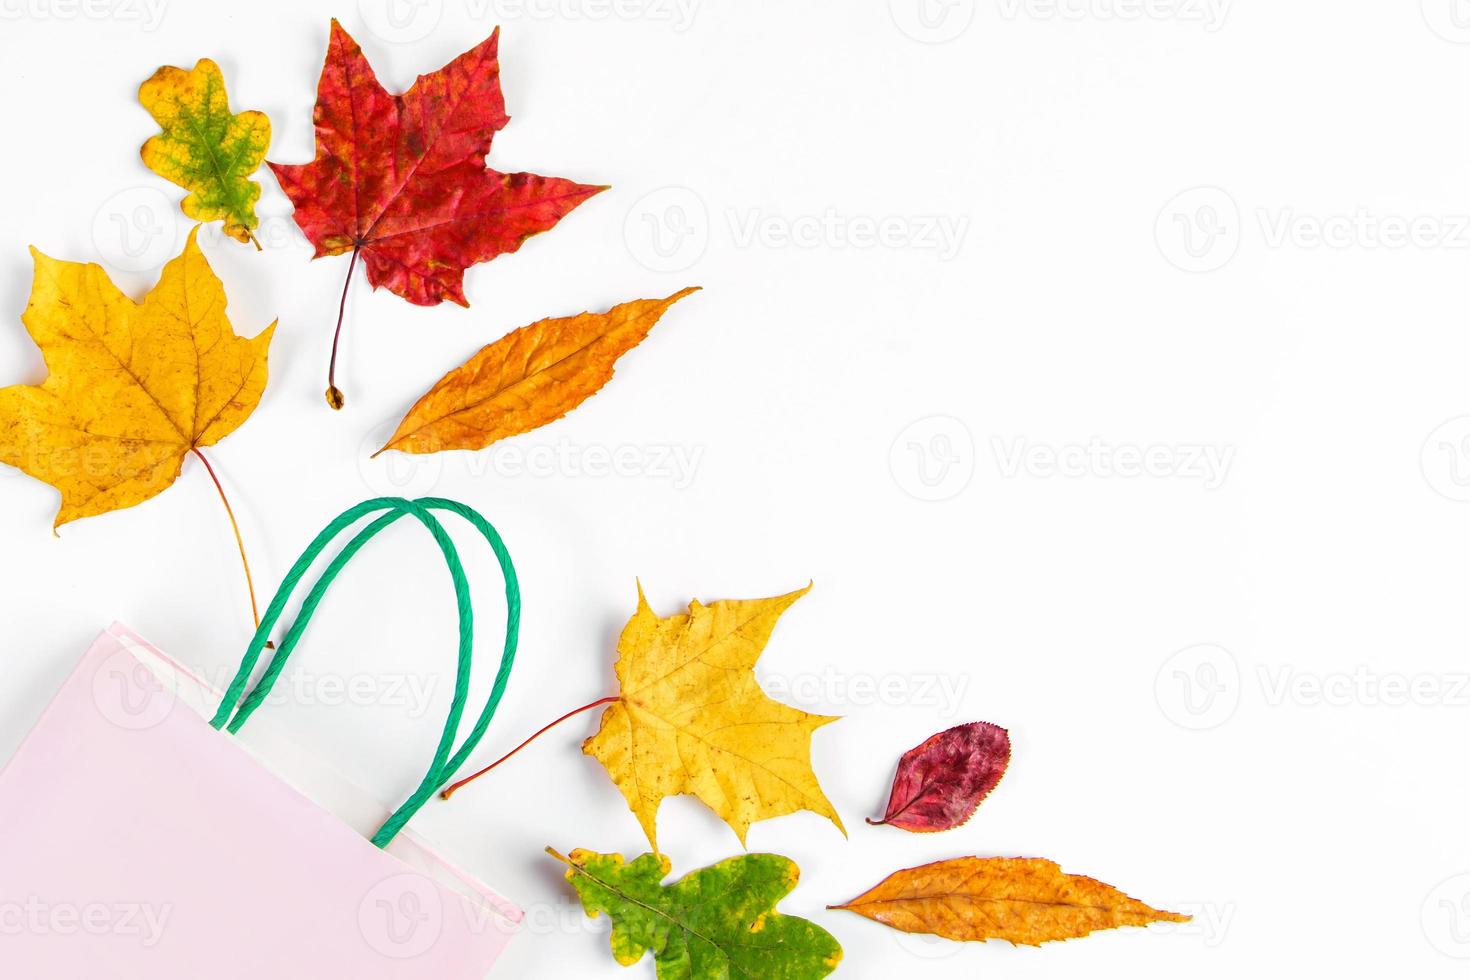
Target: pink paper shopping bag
{"type": "Point", "coordinates": [140, 842]}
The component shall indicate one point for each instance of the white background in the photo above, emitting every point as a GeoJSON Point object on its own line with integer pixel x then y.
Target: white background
{"type": "Point", "coordinates": [1183, 225]}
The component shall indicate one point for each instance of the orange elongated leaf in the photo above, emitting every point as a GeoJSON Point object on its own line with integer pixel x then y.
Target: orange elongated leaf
{"type": "Point", "coordinates": [1026, 901]}
{"type": "Point", "coordinates": [133, 387]}
{"type": "Point", "coordinates": [528, 378]}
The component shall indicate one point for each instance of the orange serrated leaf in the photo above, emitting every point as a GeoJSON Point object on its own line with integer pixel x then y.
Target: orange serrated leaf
{"type": "Point", "coordinates": [1026, 901]}
{"type": "Point", "coordinates": [528, 378]}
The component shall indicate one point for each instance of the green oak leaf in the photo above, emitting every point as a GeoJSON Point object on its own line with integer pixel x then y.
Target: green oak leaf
{"type": "Point", "coordinates": [205, 148]}
{"type": "Point", "coordinates": [715, 924]}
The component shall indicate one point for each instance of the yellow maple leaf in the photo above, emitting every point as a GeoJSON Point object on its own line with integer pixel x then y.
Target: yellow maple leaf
{"type": "Point", "coordinates": [692, 720]}
{"type": "Point", "coordinates": [132, 387]}
{"type": "Point", "coordinates": [1025, 901]}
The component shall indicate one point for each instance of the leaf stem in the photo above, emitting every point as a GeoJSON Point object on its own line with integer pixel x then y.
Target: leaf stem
{"type": "Point", "coordinates": [334, 394]}
{"type": "Point", "coordinates": [570, 714]}
{"type": "Point", "coordinates": [240, 541]}
{"type": "Point", "coordinates": [253, 240]}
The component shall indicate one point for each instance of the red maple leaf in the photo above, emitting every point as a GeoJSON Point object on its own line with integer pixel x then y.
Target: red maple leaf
{"type": "Point", "coordinates": [401, 181]}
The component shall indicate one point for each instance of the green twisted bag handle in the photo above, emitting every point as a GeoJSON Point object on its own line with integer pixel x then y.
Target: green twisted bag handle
{"type": "Point", "coordinates": [446, 762]}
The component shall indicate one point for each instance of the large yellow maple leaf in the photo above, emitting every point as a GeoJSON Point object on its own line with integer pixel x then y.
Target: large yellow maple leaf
{"type": "Point", "coordinates": [692, 720]}
{"type": "Point", "coordinates": [133, 387]}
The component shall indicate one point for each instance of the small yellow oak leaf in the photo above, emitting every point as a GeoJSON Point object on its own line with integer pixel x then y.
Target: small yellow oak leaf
{"type": "Point", "coordinates": [204, 147]}
{"type": "Point", "coordinates": [132, 387]}
{"type": "Point", "coordinates": [692, 720]}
